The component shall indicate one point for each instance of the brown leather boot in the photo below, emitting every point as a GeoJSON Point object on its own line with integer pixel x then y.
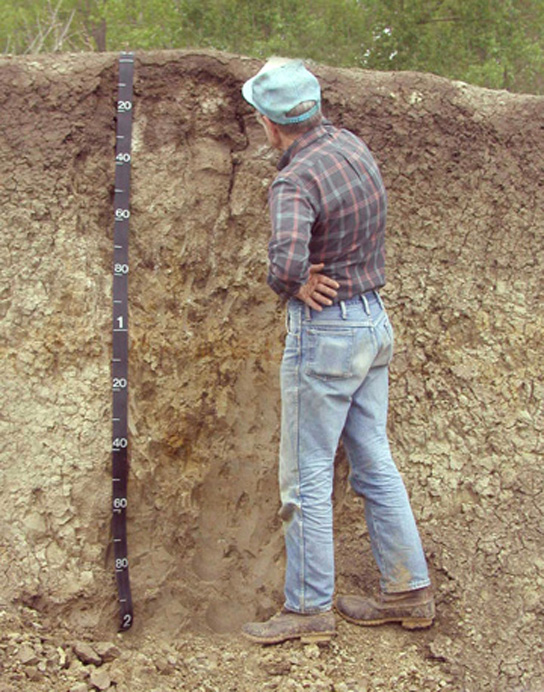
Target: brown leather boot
{"type": "Point", "coordinates": [319, 627]}
{"type": "Point", "coordinates": [413, 609]}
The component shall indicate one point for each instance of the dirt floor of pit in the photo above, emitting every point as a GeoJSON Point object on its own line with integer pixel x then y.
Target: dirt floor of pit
{"type": "Point", "coordinates": [37, 659]}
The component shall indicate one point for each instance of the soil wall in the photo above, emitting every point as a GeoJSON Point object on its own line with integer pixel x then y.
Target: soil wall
{"type": "Point", "coordinates": [464, 171]}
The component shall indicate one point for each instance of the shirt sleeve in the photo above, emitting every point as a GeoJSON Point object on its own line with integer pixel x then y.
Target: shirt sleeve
{"type": "Point", "coordinates": [292, 216]}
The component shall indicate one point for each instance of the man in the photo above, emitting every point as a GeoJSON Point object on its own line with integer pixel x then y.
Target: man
{"type": "Point", "coordinates": [328, 211]}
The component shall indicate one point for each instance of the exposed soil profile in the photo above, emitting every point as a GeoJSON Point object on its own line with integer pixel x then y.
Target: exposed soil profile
{"type": "Point", "coordinates": [464, 168]}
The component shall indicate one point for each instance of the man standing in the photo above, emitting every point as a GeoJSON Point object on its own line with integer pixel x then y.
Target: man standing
{"type": "Point", "coordinates": [328, 212]}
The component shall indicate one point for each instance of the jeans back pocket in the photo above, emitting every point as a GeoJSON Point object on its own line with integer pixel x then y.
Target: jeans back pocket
{"type": "Point", "coordinates": [330, 352]}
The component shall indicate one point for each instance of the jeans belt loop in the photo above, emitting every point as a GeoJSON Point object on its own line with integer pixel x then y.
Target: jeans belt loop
{"type": "Point", "coordinates": [343, 310]}
{"type": "Point", "coordinates": [296, 316]}
{"type": "Point", "coordinates": [366, 306]}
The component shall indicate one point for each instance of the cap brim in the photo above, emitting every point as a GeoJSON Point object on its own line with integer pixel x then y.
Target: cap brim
{"type": "Point", "coordinates": [247, 92]}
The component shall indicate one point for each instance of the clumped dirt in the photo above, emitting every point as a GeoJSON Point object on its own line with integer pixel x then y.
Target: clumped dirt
{"type": "Point", "coordinates": [464, 171]}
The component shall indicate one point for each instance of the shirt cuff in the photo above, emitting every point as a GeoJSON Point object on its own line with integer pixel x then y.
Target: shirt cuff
{"type": "Point", "coordinates": [281, 288]}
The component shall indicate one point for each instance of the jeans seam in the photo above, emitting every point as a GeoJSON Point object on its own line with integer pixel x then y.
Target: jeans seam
{"type": "Point", "coordinates": [379, 546]}
{"type": "Point", "coordinates": [369, 517]}
{"type": "Point", "coordinates": [301, 593]}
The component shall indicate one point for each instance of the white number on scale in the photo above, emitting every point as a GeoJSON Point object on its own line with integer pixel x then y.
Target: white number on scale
{"type": "Point", "coordinates": [127, 619]}
{"type": "Point", "coordinates": [120, 503]}
{"type": "Point", "coordinates": [124, 106]}
{"type": "Point", "coordinates": [122, 214]}
{"type": "Point", "coordinates": [121, 563]}
{"type": "Point", "coordinates": [119, 382]}
{"type": "Point", "coordinates": [120, 443]}
{"type": "Point", "coordinates": [119, 269]}
{"type": "Point", "coordinates": [125, 158]}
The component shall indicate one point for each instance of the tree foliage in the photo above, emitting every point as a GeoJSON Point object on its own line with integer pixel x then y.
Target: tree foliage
{"type": "Point", "coordinates": [493, 43]}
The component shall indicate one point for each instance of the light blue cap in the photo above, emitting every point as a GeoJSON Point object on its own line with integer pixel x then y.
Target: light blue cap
{"type": "Point", "coordinates": [279, 87]}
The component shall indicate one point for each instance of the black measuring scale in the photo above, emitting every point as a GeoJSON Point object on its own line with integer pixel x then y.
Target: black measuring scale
{"type": "Point", "coordinates": [119, 370]}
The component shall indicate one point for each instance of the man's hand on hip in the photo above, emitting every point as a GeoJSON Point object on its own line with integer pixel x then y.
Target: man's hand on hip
{"type": "Point", "coordinates": [318, 290]}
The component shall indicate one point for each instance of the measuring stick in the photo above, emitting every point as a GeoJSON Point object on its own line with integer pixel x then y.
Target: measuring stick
{"type": "Point", "coordinates": [120, 337]}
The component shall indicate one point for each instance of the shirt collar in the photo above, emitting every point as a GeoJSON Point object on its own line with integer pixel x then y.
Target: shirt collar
{"type": "Point", "coordinates": [302, 142]}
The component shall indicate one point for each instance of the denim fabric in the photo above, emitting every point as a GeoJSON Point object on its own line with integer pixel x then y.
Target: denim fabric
{"type": "Point", "coordinates": [334, 384]}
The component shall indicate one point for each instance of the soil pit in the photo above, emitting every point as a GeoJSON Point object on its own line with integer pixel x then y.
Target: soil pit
{"type": "Point", "coordinates": [463, 168]}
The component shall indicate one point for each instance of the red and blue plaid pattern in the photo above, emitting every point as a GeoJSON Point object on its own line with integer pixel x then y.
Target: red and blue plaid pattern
{"type": "Point", "coordinates": [328, 204]}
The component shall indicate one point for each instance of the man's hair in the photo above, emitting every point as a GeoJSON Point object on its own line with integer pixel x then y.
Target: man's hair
{"type": "Point", "coordinates": [305, 125]}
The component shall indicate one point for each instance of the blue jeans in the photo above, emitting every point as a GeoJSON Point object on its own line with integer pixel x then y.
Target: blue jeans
{"type": "Point", "coordinates": [334, 385]}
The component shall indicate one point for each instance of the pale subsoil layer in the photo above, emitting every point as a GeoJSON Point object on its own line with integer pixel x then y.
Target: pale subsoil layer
{"type": "Point", "coordinates": [464, 172]}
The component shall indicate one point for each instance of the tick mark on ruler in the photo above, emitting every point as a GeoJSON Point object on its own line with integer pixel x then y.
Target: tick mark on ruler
{"type": "Point", "coordinates": [120, 136]}
{"type": "Point", "coordinates": [120, 330]}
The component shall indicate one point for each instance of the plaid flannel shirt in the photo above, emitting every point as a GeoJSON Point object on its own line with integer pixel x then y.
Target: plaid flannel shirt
{"type": "Point", "coordinates": [327, 204]}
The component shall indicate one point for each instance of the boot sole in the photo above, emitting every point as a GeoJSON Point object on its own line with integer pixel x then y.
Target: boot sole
{"type": "Point", "coordinates": [305, 637]}
{"type": "Point", "coordinates": [408, 622]}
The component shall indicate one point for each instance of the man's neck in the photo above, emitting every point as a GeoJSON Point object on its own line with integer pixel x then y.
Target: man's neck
{"type": "Point", "coordinates": [286, 141]}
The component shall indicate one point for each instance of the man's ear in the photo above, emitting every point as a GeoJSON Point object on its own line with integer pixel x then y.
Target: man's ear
{"type": "Point", "coordinates": [270, 126]}
{"type": "Point", "coordinates": [274, 135]}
